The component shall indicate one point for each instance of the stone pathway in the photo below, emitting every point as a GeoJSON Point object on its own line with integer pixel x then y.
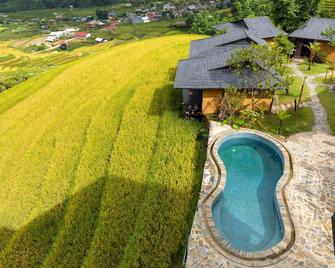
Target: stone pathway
{"type": "Point", "coordinates": [287, 106]}
{"type": "Point", "coordinates": [310, 197]}
{"type": "Point", "coordinates": [321, 124]}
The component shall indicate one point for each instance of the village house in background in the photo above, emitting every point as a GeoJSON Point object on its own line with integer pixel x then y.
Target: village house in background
{"type": "Point", "coordinates": [66, 34]}
{"type": "Point", "coordinates": [206, 74]}
{"type": "Point", "coordinates": [82, 35]}
{"type": "Point", "coordinates": [312, 31]}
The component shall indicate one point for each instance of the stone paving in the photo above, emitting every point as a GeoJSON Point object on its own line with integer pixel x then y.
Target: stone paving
{"type": "Point", "coordinates": [310, 197]}
{"type": "Point", "coordinates": [321, 124]}
{"type": "Point", "coordinates": [284, 107]}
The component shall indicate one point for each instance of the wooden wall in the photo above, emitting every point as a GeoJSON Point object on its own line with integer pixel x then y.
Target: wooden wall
{"type": "Point", "coordinates": [325, 47]}
{"type": "Point", "coordinates": [259, 102]}
{"type": "Point", "coordinates": [211, 99]}
{"type": "Point", "coordinates": [330, 51]}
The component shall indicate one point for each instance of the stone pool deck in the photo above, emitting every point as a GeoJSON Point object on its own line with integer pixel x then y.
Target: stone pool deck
{"type": "Point", "coordinates": [310, 197]}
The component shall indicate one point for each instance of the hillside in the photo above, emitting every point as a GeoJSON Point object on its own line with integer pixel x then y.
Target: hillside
{"type": "Point", "coordinates": [97, 167]}
{"type": "Point", "coordinates": [330, 6]}
{"type": "Point", "coordinates": [19, 5]}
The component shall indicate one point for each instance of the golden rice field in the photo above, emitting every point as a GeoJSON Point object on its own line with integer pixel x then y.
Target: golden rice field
{"type": "Point", "coordinates": [97, 167]}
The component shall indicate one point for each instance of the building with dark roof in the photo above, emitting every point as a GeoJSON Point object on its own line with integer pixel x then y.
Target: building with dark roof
{"type": "Point", "coordinates": [260, 27]}
{"type": "Point", "coordinates": [312, 31]}
{"type": "Point", "coordinates": [206, 74]}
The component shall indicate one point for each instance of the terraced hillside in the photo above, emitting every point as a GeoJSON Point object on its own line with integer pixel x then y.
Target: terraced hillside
{"type": "Point", "coordinates": [330, 5]}
{"type": "Point", "coordinates": [97, 167]}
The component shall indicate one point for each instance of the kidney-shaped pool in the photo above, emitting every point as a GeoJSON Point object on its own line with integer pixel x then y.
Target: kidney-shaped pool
{"type": "Point", "coordinates": [245, 213]}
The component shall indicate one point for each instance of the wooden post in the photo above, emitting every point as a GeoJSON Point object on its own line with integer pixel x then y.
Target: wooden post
{"type": "Point", "coordinates": [326, 75]}
{"type": "Point", "coordinates": [295, 105]}
{"type": "Point", "coordinates": [301, 91]}
{"type": "Point", "coordinates": [333, 227]}
{"type": "Point", "coordinates": [271, 104]}
{"type": "Point", "coordinates": [331, 76]}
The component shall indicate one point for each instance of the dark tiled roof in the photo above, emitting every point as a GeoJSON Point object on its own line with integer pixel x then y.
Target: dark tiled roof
{"type": "Point", "coordinates": [260, 27]}
{"type": "Point", "coordinates": [236, 37]}
{"type": "Point", "coordinates": [208, 67]}
{"type": "Point", "coordinates": [213, 72]}
{"type": "Point", "coordinates": [313, 28]}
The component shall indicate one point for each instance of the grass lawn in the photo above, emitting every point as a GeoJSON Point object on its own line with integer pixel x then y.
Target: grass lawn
{"type": "Point", "coordinates": [300, 122]}
{"type": "Point", "coordinates": [327, 99]}
{"type": "Point", "coordinates": [294, 92]}
{"type": "Point", "coordinates": [316, 68]}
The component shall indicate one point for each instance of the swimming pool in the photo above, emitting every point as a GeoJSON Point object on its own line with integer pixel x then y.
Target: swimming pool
{"type": "Point", "coordinates": [245, 210]}
{"type": "Point", "coordinates": [245, 213]}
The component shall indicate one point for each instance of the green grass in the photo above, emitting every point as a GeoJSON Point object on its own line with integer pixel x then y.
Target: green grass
{"type": "Point", "coordinates": [327, 99]}
{"type": "Point", "coordinates": [301, 121]}
{"type": "Point", "coordinates": [316, 68]}
{"type": "Point", "coordinates": [6, 58]}
{"type": "Point", "coordinates": [294, 92]}
{"type": "Point", "coordinates": [14, 32]}
{"type": "Point", "coordinates": [97, 167]}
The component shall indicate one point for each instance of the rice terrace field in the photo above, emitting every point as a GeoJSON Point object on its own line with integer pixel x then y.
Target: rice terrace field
{"type": "Point", "coordinates": [97, 167]}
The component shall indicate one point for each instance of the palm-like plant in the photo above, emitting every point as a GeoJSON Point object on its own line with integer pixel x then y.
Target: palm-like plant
{"type": "Point", "coordinates": [314, 49]}
{"type": "Point", "coordinates": [330, 33]}
{"type": "Point", "coordinates": [282, 116]}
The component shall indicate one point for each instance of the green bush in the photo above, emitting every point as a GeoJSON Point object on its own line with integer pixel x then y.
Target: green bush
{"type": "Point", "coordinates": [321, 57]}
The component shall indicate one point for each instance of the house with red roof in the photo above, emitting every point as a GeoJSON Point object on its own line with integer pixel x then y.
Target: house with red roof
{"type": "Point", "coordinates": [82, 35]}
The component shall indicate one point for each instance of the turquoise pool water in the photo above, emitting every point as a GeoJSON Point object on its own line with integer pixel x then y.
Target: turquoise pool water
{"type": "Point", "coordinates": [245, 212]}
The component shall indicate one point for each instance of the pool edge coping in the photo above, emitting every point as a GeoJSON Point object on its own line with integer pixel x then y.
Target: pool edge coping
{"type": "Point", "coordinates": [259, 258]}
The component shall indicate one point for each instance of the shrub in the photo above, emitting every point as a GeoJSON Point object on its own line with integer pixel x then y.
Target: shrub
{"type": "Point", "coordinates": [231, 103]}
{"type": "Point", "coordinates": [321, 57]}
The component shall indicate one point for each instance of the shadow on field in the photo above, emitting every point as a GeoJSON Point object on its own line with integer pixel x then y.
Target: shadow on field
{"type": "Point", "coordinates": [31, 245]}
{"type": "Point", "coordinates": [5, 235]}
{"type": "Point", "coordinates": [169, 98]}
{"type": "Point", "coordinates": [172, 74]}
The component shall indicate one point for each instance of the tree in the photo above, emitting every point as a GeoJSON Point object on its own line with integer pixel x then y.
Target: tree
{"type": "Point", "coordinates": [323, 10]}
{"type": "Point", "coordinates": [314, 49]}
{"type": "Point", "coordinates": [262, 61]}
{"type": "Point", "coordinates": [305, 9]}
{"type": "Point", "coordinates": [251, 8]}
{"type": "Point", "coordinates": [189, 21]}
{"type": "Point", "coordinates": [290, 14]}
{"type": "Point", "coordinates": [284, 46]}
{"type": "Point", "coordinates": [231, 103]}
{"type": "Point", "coordinates": [330, 33]}
{"type": "Point", "coordinates": [203, 24]}
{"type": "Point", "coordinates": [284, 14]}
{"type": "Point", "coordinates": [282, 116]}
{"type": "Point", "coordinates": [102, 14]}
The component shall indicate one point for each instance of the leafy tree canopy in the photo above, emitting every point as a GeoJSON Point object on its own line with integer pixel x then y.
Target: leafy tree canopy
{"type": "Point", "coordinates": [203, 24]}
{"type": "Point", "coordinates": [330, 33]}
{"type": "Point", "coordinates": [102, 14]}
{"type": "Point", "coordinates": [283, 45]}
{"type": "Point", "coordinates": [251, 8]}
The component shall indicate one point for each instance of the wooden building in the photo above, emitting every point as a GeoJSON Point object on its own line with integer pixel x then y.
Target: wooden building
{"type": "Point", "coordinates": [206, 75]}
{"type": "Point", "coordinates": [312, 31]}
